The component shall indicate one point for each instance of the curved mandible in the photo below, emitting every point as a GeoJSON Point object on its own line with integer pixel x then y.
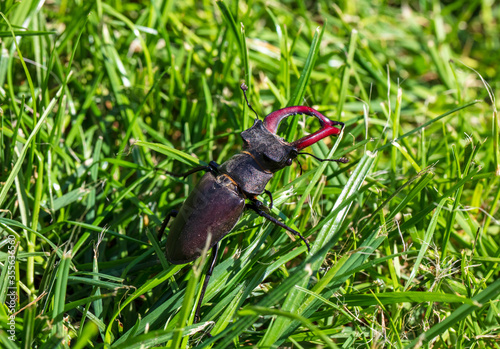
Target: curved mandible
{"type": "Point", "coordinates": [273, 120]}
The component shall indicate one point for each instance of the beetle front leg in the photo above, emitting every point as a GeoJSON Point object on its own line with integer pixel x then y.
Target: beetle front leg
{"type": "Point", "coordinates": [212, 167]}
{"type": "Point", "coordinates": [270, 198]}
{"type": "Point", "coordinates": [257, 206]}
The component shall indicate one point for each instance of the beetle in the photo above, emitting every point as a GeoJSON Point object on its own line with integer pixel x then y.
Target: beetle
{"type": "Point", "coordinates": [218, 201]}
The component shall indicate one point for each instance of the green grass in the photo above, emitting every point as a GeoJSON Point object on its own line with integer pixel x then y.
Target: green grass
{"type": "Point", "coordinates": [97, 98]}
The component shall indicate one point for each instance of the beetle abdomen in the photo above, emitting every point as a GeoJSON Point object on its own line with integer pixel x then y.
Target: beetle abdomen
{"type": "Point", "coordinates": [210, 212]}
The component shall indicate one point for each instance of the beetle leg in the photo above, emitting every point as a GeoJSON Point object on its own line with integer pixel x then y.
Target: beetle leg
{"type": "Point", "coordinates": [256, 206]}
{"type": "Point", "coordinates": [270, 198]}
{"type": "Point", "coordinates": [172, 213]}
{"type": "Point", "coordinates": [300, 165]}
{"type": "Point", "coordinates": [190, 172]}
{"type": "Point", "coordinates": [342, 160]}
{"type": "Point", "coordinates": [212, 167]}
{"type": "Point", "coordinates": [215, 251]}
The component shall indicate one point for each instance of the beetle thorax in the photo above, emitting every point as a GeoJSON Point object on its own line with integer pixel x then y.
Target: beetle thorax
{"type": "Point", "coordinates": [263, 154]}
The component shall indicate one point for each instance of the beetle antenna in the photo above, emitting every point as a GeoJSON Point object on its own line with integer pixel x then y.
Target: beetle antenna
{"type": "Point", "coordinates": [244, 88]}
{"type": "Point", "coordinates": [342, 160]}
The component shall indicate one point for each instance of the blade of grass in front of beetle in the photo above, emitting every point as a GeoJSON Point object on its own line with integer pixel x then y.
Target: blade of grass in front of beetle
{"type": "Point", "coordinates": [189, 303]}
{"type": "Point", "coordinates": [327, 236]}
{"type": "Point", "coordinates": [488, 294]}
{"type": "Point", "coordinates": [302, 273]}
{"type": "Point", "coordinates": [295, 297]}
{"type": "Point", "coordinates": [149, 285]}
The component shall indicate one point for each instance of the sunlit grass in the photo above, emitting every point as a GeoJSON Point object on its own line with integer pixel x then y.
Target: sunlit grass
{"type": "Point", "coordinates": [98, 98]}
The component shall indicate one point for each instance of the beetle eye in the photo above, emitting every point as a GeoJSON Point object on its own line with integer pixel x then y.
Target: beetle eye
{"type": "Point", "coordinates": [289, 162]}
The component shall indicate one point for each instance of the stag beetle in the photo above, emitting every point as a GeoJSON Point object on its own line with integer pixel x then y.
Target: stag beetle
{"type": "Point", "coordinates": [217, 202]}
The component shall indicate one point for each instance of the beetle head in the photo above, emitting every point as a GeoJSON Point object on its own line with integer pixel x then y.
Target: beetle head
{"type": "Point", "coordinates": [273, 152]}
{"type": "Point", "coordinates": [270, 151]}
